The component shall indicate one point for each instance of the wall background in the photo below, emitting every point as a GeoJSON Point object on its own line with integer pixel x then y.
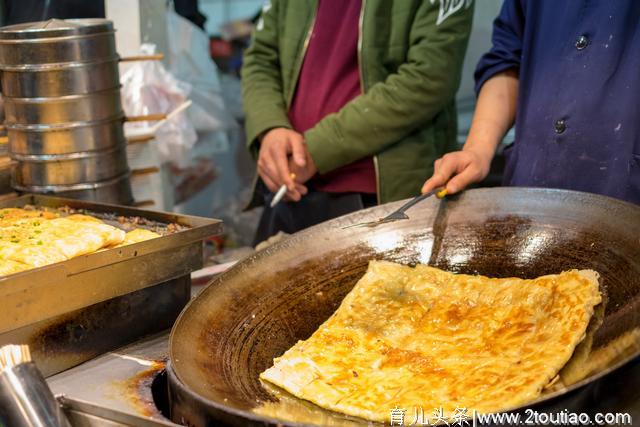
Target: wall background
{"type": "Point", "coordinates": [221, 11]}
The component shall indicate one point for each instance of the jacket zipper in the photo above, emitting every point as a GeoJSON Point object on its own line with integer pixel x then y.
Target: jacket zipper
{"type": "Point", "coordinates": [305, 46]}
{"type": "Point", "coordinates": [293, 88]}
{"type": "Point", "coordinates": [363, 88]}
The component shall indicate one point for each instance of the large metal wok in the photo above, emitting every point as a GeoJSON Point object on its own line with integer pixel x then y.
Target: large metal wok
{"type": "Point", "coordinates": [260, 308]}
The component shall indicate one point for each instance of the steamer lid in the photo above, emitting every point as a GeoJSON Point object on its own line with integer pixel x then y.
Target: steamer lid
{"type": "Point", "coordinates": [55, 28]}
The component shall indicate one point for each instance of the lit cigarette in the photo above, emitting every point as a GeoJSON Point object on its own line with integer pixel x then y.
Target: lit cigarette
{"type": "Point", "coordinates": [280, 193]}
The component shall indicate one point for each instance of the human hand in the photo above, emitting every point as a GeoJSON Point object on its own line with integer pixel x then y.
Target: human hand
{"type": "Point", "coordinates": [458, 169]}
{"type": "Point", "coordinates": [305, 173]}
{"type": "Point", "coordinates": [280, 148]}
{"type": "Point", "coordinates": [301, 176]}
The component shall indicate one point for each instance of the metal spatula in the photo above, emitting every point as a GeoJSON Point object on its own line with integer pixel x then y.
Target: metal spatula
{"type": "Point", "coordinates": [400, 212]}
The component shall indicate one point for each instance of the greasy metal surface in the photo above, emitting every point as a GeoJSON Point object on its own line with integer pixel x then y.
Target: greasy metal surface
{"type": "Point", "coordinates": [42, 293]}
{"type": "Point", "coordinates": [67, 340]}
{"type": "Point", "coordinates": [29, 46]}
{"type": "Point", "coordinates": [71, 168]}
{"type": "Point", "coordinates": [68, 138]}
{"type": "Point", "coordinates": [101, 105]}
{"type": "Point", "coordinates": [110, 387]}
{"type": "Point", "coordinates": [114, 387]}
{"type": "Point", "coordinates": [114, 191]}
{"type": "Point", "coordinates": [263, 305]}
{"type": "Point", "coordinates": [82, 414]}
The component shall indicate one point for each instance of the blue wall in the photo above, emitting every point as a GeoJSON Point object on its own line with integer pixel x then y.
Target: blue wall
{"type": "Point", "coordinates": [221, 11]}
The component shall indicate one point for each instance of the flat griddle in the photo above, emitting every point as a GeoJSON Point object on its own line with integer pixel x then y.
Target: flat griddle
{"type": "Point", "coordinates": [264, 304]}
{"type": "Point", "coordinates": [74, 307]}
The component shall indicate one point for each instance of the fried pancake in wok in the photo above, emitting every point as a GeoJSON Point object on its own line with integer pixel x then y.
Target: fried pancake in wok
{"type": "Point", "coordinates": [425, 338]}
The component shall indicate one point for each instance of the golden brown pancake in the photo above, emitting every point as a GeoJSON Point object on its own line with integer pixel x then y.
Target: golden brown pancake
{"type": "Point", "coordinates": [31, 238]}
{"type": "Point", "coordinates": [10, 267]}
{"type": "Point", "coordinates": [425, 338]}
{"type": "Point", "coordinates": [138, 235]}
{"type": "Point", "coordinates": [9, 215]}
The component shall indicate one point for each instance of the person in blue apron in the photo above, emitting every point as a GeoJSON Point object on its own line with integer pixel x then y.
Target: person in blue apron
{"type": "Point", "coordinates": [568, 75]}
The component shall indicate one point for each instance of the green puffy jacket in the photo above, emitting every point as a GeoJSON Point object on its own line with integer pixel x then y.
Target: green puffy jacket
{"type": "Point", "coordinates": [410, 59]}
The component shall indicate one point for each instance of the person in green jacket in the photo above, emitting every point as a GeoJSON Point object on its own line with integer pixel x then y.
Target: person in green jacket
{"type": "Point", "coordinates": [349, 103]}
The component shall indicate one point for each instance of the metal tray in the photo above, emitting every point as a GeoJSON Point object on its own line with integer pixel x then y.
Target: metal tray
{"type": "Point", "coordinates": [42, 293]}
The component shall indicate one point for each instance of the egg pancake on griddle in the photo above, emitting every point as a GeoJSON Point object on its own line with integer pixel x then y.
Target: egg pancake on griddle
{"type": "Point", "coordinates": [33, 238]}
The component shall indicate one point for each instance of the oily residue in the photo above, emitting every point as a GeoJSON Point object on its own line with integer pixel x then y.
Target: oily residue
{"type": "Point", "coordinates": [137, 389]}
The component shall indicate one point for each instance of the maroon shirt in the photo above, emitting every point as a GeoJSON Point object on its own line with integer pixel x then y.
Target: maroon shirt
{"type": "Point", "coordinates": [330, 78]}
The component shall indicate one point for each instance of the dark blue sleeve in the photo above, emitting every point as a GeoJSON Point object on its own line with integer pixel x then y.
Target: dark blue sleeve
{"type": "Point", "coordinates": [506, 49]}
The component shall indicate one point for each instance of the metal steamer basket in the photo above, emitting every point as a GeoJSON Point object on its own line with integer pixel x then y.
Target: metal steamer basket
{"type": "Point", "coordinates": [114, 189]}
{"type": "Point", "coordinates": [63, 110]}
{"type": "Point", "coordinates": [70, 169]}
{"type": "Point", "coordinates": [59, 79]}
{"type": "Point", "coordinates": [56, 42]}
{"type": "Point", "coordinates": [65, 138]}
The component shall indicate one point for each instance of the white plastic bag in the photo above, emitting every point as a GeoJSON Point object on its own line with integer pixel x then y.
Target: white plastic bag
{"type": "Point", "coordinates": [148, 88]}
{"type": "Point", "coordinates": [190, 61]}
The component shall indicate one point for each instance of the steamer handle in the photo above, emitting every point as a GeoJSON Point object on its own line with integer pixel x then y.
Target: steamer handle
{"type": "Point", "coordinates": [147, 118]}
{"type": "Point", "coordinates": [156, 57]}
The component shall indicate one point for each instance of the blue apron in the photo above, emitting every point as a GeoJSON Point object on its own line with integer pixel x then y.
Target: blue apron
{"type": "Point", "coordinates": [578, 112]}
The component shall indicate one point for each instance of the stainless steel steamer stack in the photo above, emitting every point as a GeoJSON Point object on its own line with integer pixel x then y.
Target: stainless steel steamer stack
{"type": "Point", "coordinates": [64, 118]}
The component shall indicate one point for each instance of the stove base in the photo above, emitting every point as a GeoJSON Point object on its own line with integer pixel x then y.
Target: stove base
{"type": "Point", "coordinates": [67, 340]}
